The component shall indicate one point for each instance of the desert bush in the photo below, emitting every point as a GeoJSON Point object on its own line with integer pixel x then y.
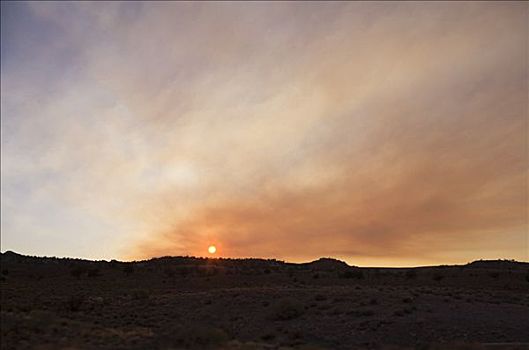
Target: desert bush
{"type": "Point", "coordinates": [183, 270]}
{"type": "Point", "coordinates": [457, 346]}
{"type": "Point", "coordinates": [351, 273]}
{"type": "Point", "coordinates": [213, 271]}
{"type": "Point", "coordinates": [411, 274]}
{"type": "Point", "coordinates": [399, 313]}
{"type": "Point", "coordinates": [169, 272]}
{"type": "Point", "coordinates": [494, 274]}
{"type": "Point", "coordinates": [75, 302]}
{"type": "Point", "coordinates": [207, 271]}
{"type": "Point", "coordinates": [94, 272]}
{"type": "Point", "coordinates": [402, 312]}
{"type": "Point", "coordinates": [438, 277]}
{"type": "Point", "coordinates": [128, 269]}
{"type": "Point", "coordinates": [367, 313]}
{"type": "Point", "coordinates": [36, 276]}
{"type": "Point", "coordinates": [78, 271]}
{"type": "Point", "coordinates": [40, 320]}
{"type": "Point", "coordinates": [320, 297]}
{"type": "Point", "coordinates": [140, 294]}
{"type": "Point", "coordinates": [202, 338]}
{"type": "Point", "coordinates": [268, 336]}
{"type": "Point", "coordinates": [287, 309]}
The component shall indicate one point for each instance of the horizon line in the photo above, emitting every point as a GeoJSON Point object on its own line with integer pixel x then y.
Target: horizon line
{"type": "Point", "coordinates": [255, 258]}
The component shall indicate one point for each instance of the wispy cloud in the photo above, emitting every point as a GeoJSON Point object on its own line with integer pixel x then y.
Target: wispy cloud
{"type": "Point", "coordinates": [380, 133]}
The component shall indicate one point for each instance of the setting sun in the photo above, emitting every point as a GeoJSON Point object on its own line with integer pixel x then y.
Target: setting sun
{"type": "Point", "coordinates": [212, 249]}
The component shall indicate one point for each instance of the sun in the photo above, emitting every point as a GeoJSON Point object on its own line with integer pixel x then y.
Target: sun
{"type": "Point", "coordinates": [212, 249]}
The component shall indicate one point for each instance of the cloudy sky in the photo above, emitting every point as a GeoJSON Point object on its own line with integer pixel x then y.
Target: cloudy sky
{"type": "Point", "coordinates": [386, 134]}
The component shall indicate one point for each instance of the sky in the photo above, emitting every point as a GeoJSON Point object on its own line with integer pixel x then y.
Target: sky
{"type": "Point", "coordinates": [379, 133]}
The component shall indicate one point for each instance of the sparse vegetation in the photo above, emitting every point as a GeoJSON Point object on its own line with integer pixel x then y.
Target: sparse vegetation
{"type": "Point", "coordinates": [411, 274]}
{"type": "Point", "coordinates": [398, 313]}
{"type": "Point", "coordinates": [438, 277]}
{"type": "Point", "coordinates": [183, 271]}
{"type": "Point", "coordinates": [169, 272]}
{"type": "Point", "coordinates": [140, 294]}
{"type": "Point", "coordinates": [352, 273]}
{"type": "Point", "coordinates": [320, 297]}
{"type": "Point", "coordinates": [75, 302]}
{"type": "Point", "coordinates": [248, 303]}
{"type": "Point", "coordinates": [367, 313]}
{"type": "Point", "coordinates": [128, 269]}
{"type": "Point", "coordinates": [288, 309]}
{"type": "Point", "coordinates": [94, 272]}
{"type": "Point", "coordinates": [494, 274]}
{"type": "Point", "coordinates": [78, 271]}
{"type": "Point", "coordinates": [201, 337]}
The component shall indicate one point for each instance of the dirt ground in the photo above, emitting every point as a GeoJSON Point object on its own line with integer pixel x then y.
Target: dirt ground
{"type": "Point", "coordinates": [191, 303]}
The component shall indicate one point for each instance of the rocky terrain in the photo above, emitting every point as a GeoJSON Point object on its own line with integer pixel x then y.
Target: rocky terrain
{"type": "Point", "coordinates": [198, 303]}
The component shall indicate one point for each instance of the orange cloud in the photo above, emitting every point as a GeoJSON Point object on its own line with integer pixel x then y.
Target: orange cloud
{"type": "Point", "coordinates": [379, 133]}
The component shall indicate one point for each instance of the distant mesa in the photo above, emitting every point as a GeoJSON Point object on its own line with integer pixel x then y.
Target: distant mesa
{"type": "Point", "coordinates": [9, 253]}
{"type": "Point", "coordinates": [11, 256]}
{"type": "Point", "coordinates": [498, 264]}
{"type": "Point", "coordinates": [328, 264]}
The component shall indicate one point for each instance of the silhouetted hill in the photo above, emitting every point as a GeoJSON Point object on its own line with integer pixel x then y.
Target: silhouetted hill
{"type": "Point", "coordinates": [10, 255]}
{"type": "Point", "coordinates": [498, 264]}
{"type": "Point", "coordinates": [322, 264]}
{"type": "Point", "coordinates": [327, 264]}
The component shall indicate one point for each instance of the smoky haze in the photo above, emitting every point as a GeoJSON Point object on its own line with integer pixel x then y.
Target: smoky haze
{"type": "Point", "coordinates": [378, 133]}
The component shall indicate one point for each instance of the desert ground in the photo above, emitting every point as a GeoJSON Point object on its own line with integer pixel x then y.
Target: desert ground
{"type": "Point", "coordinates": [199, 303]}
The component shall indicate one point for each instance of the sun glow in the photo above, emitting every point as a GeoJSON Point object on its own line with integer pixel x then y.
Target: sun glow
{"type": "Point", "coordinates": [212, 249]}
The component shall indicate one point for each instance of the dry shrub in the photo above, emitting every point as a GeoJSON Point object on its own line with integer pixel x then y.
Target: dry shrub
{"type": "Point", "coordinates": [200, 337]}
{"type": "Point", "coordinates": [287, 309]}
{"type": "Point", "coordinates": [75, 302]}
